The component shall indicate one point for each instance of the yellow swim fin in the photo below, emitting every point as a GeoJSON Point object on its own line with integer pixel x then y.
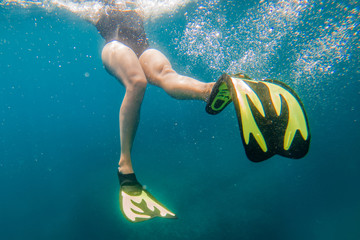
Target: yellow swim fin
{"type": "Point", "coordinates": [271, 116]}
{"type": "Point", "coordinates": [136, 203]}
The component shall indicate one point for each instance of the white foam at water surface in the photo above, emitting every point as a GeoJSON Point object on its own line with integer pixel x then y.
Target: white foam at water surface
{"type": "Point", "coordinates": [150, 8]}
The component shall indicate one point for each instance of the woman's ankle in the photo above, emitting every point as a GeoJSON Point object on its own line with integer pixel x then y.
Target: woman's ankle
{"type": "Point", "coordinates": [125, 169]}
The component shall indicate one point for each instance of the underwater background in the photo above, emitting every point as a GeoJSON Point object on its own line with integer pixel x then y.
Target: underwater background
{"type": "Point", "coordinates": [59, 140]}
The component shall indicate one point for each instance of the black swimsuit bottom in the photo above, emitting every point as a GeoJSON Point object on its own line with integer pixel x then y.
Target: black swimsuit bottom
{"type": "Point", "coordinates": [125, 27]}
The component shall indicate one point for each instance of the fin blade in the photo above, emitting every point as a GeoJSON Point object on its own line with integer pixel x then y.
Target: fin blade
{"type": "Point", "coordinates": [272, 119]}
{"type": "Point", "coordinates": [249, 126]}
{"type": "Point", "coordinates": [142, 207]}
{"type": "Point", "coordinates": [297, 134]}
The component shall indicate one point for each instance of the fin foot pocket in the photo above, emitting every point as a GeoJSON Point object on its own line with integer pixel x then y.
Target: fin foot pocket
{"type": "Point", "coordinates": [220, 97]}
{"type": "Point", "coordinates": [136, 203]}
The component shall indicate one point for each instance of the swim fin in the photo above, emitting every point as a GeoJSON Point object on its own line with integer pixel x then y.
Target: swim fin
{"type": "Point", "coordinates": [272, 119]}
{"type": "Point", "coordinates": [136, 203]}
{"type": "Point", "coordinates": [219, 98]}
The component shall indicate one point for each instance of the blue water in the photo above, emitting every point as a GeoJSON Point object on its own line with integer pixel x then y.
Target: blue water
{"type": "Point", "coordinates": [59, 142]}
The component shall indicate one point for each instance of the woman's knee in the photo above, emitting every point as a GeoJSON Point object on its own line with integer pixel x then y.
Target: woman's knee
{"type": "Point", "coordinates": [137, 83]}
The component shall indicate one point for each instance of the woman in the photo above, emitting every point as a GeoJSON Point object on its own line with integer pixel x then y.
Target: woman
{"type": "Point", "coordinates": [127, 56]}
{"type": "Point", "coordinates": [280, 127]}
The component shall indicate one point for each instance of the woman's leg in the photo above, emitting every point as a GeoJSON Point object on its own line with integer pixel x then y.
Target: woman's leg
{"type": "Point", "coordinates": [159, 72]}
{"type": "Point", "coordinates": [123, 63]}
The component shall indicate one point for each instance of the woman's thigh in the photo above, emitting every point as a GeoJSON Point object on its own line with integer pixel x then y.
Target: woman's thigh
{"type": "Point", "coordinates": [155, 66]}
{"type": "Point", "coordinates": [120, 61]}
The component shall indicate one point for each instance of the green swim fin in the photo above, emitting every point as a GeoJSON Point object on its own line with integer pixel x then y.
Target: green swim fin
{"type": "Point", "coordinates": [136, 203]}
{"type": "Point", "coordinates": [272, 119]}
